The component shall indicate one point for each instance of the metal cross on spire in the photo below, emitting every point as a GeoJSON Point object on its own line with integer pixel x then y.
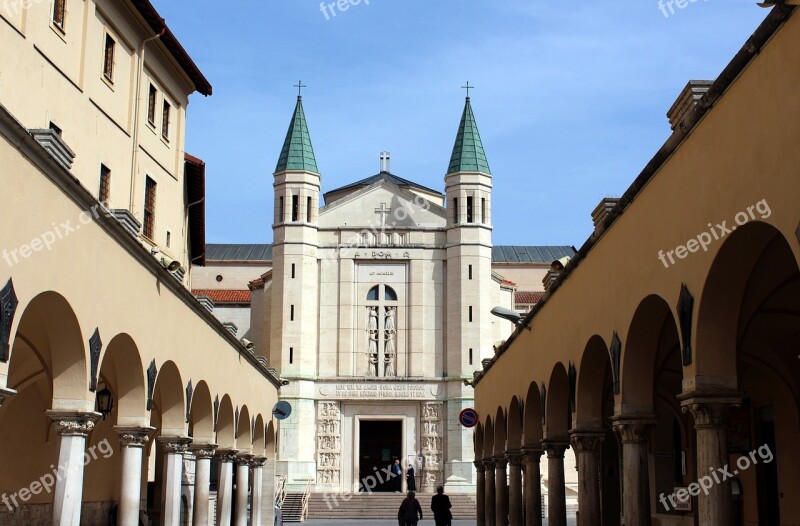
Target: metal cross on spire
{"type": "Point", "coordinates": [467, 87]}
{"type": "Point", "coordinates": [300, 87]}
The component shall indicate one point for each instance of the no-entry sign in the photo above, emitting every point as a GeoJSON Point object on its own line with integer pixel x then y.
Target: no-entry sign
{"type": "Point", "coordinates": [468, 417]}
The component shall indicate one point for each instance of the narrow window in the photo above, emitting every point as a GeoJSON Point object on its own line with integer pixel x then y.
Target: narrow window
{"type": "Point", "coordinates": [105, 185]}
{"type": "Point", "coordinates": [295, 207]}
{"type": "Point", "coordinates": [165, 120]}
{"type": "Point", "coordinates": [152, 98]}
{"type": "Point", "coordinates": [470, 313]}
{"type": "Point", "coordinates": [470, 356]}
{"type": "Point", "coordinates": [291, 313]}
{"type": "Point", "coordinates": [59, 13]}
{"type": "Point", "coordinates": [149, 208]}
{"type": "Point", "coordinates": [483, 210]}
{"type": "Point", "coordinates": [292, 270]}
{"type": "Point", "coordinates": [469, 209]}
{"type": "Point", "coordinates": [108, 58]}
{"type": "Point", "coordinates": [455, 209]}
{"type": "Point", "coordinates": [169, 238]}
{"type": "Point", "coordinates": [280, 212]}
{"type": "Point", "coordinates": [470, 272]}
{"type": "Point", "coordinates": [308, 209]}
{"type": "Point", "coordinates": [291, 354]}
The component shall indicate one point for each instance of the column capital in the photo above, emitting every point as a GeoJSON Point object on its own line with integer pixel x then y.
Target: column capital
{"type": "Point", "coordinates": [258, 462]}
{"type": "Point", "coordinates": [226, 455]}
{"type": "Point", "coordinates": [633, 429]}
{"type": "Point", "coordinates": [555, 448]}
{"type": "Point", "coordinates": [500, 461]}
{"type": "Point", "coordinates": [203, 451]}
{"type": "Point", "coordinates": [514, 457]}
{"type": "Point", "coordinates": [173, 445]}
{"type": "Point", "coordinates": [531, 454]}
{"type": "Point", "coordinates": [586, 440]}
{"type": "Point", "coordinates": [69, 423]}
{"type": "Point", "coordinates": [709, 409]}
{"type": "Point", "coordinates": [488, 464]}
{"type": "Point", "coordinates": [5, 394]}
{"type": "Point", "coordinates": [243, 460]}
{"type": "Point", "coordinates": [134, 436]}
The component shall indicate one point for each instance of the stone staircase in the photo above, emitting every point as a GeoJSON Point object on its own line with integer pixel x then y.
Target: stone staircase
{"type": "Point", "coordinates": [380, 506]}
{"type": "Point", "coordinates": [292, 508]}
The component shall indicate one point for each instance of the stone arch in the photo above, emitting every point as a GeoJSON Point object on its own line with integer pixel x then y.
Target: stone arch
{"type": "Point", "coordinates": [259, 437]}
{"type": "Point", "coordinates": [500, 433]}
{"type": "Point", "coordinates": [514, 439]}
{"type": "Point", "coordinates": [226, 431]}
{"type": "Point", "coordinates": [478, 441]}
{"type": "Point", "coordinates": [653, 333]}
{"type": "Point", "coordinates": [201, 414]}
{"type": "Point", "coordinates": [488, 438]}
{"type": "Point", "coordinates": [169, 405]}
{"type": "Point", "coordinates": [244, 436]}
{"type": "Point", "coordinates": [532, 423]}
{"type": "Point", "coordinates": [121, 370]}
{"type": "Point", "coordinates": [557, 417]}
{"type": "Point", "coordinates": [271, 441]}
{"type": "Point", "coordinates": [591, 393]}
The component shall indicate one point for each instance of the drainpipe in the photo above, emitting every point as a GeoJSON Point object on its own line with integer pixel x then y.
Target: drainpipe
{"type": "Point", "coordinates": [135, 153]}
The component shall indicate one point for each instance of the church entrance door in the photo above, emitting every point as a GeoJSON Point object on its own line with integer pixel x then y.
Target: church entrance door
{"type": "Point", "coordinates": [380, 444]}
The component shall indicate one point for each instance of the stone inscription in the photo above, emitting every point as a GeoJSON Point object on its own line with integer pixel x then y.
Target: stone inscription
{"type": "Point", "coordinates": [376, 390]}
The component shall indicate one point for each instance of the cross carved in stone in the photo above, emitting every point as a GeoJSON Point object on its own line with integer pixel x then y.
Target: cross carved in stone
{"type": "Point", "coordinates": [383, 211]}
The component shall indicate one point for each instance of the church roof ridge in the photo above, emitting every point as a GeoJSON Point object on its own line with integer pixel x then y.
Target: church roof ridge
{"type": "Point", "coordinates": [297, 152]}
{"type": "Point", "coordinates": [468, 153]}
{"type": "Point", "coordinates": [383, 176]}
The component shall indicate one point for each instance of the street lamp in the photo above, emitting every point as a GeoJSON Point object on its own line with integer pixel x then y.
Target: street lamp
{"type": "Point", "coordinates": [104, 401]}
{"type": "Point", "coordinates": [508, 314]}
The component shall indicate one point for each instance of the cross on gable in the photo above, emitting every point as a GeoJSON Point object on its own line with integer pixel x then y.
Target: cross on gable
{"type": "Point", "coordinates": [383, 211]}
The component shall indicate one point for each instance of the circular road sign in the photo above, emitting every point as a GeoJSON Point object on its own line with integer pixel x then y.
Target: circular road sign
{"type": "Point", "coordinates": [282, 410]}
{"type": "Point", "coordinates": [468, 417]}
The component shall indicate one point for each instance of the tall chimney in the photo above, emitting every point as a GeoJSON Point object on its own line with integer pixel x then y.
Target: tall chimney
{"type": "Point", "coordinates": [385, 158]}
{"type": "Point", "coordinates": [687, 100]}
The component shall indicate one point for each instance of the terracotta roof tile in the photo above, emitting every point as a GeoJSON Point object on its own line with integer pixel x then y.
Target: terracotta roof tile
{"type": "Point", "coordinates": [224, 296]}
{"type": "Point", "coordinates": [524, 297]}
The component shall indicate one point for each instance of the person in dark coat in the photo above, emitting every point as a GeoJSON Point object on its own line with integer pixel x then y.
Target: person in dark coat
{"type": "Point", "coordinates": [411, 479]}
{"type": "Point", "coordinates": [410, 511]}
{"type": "Point", "coordinates": [440, 505]}
{"type": "Point", "coordinates": [397, 474]}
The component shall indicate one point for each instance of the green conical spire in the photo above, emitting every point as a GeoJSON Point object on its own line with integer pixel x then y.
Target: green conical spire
{"type": "Point", "coordinates": [468, 154]}
{"type": "Point", "coordinates": [297, 152]}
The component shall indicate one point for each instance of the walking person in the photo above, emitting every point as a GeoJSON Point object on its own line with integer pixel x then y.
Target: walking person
{"type": "Point", "coordinates": [440, 506]}
{"type": "Point", "coordinates": [397, 473]}
{"type": "Point", "coordinates": [411, 480]}
{"type": "Point", "coordinates": [410, 511]}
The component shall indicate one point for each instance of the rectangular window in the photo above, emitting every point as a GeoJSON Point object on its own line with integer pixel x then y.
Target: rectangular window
{"type": "Point", "coordinates": [295, 207]}
{"type": "Point", "coordinates": [470, 313]}
{"type": "Point", "coordinates": [292, 270]}
{"type": "Point", "coordinates": [470, 272]}
{"type": "Point", "coordinates": [469, 209]}
{"type": "Point", "coordinates": [280, 215]}
{"type": "Point", "coordinates": [105, 185]}
{"type": "Point", "coordinates": [149, 208]}
{"type": "Point", "coordinates": [291, 354]}
{"type": "Point", "coordinates": [291, 313]}
{"type": "Point", "coordinates": [455, 210]}
{"type": "Point", "coordinates": [483, 210]}
{"type": "Point", "coordinates": [59, 13]}
{"type": "Point", "coordinates": [152, 99]}
{"type": "Point", "coordinates": [108, 58]}
{"type": "Point", "coordinates": [470, 356]}
{"type": "Point", "coordinates": [165, 120]}
{"type": "Point", "coordinates": [308, 209]}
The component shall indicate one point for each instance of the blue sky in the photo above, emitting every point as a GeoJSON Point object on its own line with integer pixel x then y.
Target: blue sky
{"type": "Point", "coordinates": [570, 97]}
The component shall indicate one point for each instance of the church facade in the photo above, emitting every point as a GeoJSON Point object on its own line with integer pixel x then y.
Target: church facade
{"type": "Point", "coordinates": [374, 302]}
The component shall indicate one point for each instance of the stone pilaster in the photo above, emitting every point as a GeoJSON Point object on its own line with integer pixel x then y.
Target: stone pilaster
{"type": "Point", "coordinates": [329, 445]}
{"type": "Point", "coordinates": [533, 486]}
{"type": "Point", "coordinates": [203, 453]}
{"type": "Point", "coordinates": [556, 489]}
{"type": "Point", "coordinates": [432, 445]}
{"type": "Point", "coordinates": [480, 494]}
{"type": "Point", "coordinates": [72, 429]}
{"type": "Point", "coordinates": [586, 445]}
{"type": "Point", "coordinates": [514, 487]}
{"type": "Point", "coordinates": [634, 432]}
{"type": "Point", "coordinates": [490, 502]}
{"type": "Point", "coordinates": [133, 440]}
{"type": "Point", "coordinates": [710, 412]}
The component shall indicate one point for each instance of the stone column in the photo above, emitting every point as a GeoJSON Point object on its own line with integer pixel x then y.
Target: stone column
{"type": "Point", "coordinates": [586, 445]}
{"type": "Point", "coordinates": [202, 481]}
{"type": "Point", "coordinates": [710, 414]}
{"type": "Point", "coordinates": [480, 493]}
{"type": "Point", "coordinates": [72, 429]}
{"type": "Point", "coordinates": [226, 458]}
{"type": "Point", "coordinates": [173, 449]}
{"type": "Point", "coordinates": [556, 489]}
{"type": "Point", "coordinates": [242, 489]}
{"type": "Point", "coordinates": [258, 491]}
{"type": "Point", "coordinates": [133, 441]}
{"type": "Point", "coordinates": [514, 487]}
{"type": "Point", "coordinates": [533, 486]}
{"type": "Point", "coordinates": [634, 431]}
{"type": "Point", "coordinates": [490, 503]}
{"type": "Point", "coordinates": [501, 491]}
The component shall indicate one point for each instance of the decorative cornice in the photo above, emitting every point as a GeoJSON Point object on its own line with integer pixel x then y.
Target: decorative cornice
{"type": "Point", "coordinates": [134, 436]}
{"type": "Point", "coordinates": [73, 424]}
{"type": "Point", "coordinates": [203, 451]}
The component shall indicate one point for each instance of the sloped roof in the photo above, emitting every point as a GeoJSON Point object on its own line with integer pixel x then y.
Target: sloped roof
{"type": "Point", "coordinates": [221, 297]}
{"type": "Point", "coordinates": [468, 153]}
{"type": "Point", "coordinates": [383, 176]}
{"type": "Point", "coordinates": [530, 254]}
{"type": "Point", "coordinates": [297, 152]}
{"type": "Point", "coordinates": [233, 252]}
{"type": "Point", "coordinates": [526, 297]}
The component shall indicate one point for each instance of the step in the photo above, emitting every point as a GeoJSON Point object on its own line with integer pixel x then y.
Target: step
{"type": "Point", "coordinates": [380, 506]}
